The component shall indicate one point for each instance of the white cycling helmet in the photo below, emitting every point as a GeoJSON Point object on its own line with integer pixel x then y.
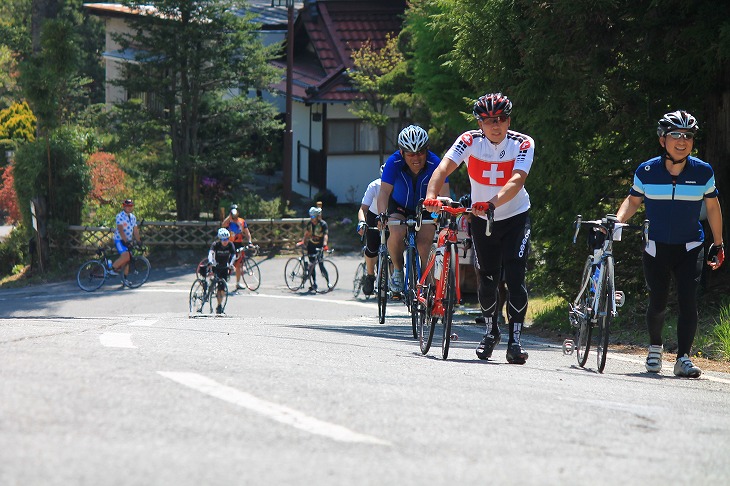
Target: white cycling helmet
{"type": "Point", "coordinates": [676, 120]}
{"type": "Point", "coordinates": [413, 139]}
{"type": "Point", "coordinates": [314, 212]}
{"type": "Point", "coordinates": [224, 233]}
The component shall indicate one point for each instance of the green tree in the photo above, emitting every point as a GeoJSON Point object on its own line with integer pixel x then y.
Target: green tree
{"type": "Point", "coordinates": [194, 58]}
{"type": "Point", "coordinates": [588, 80]}
{"type": "Point", "coordinates": [379, 76]}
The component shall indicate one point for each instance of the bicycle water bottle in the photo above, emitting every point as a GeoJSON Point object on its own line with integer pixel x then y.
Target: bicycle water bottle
{"type": "Point", "coordinates": [108, 264]}
{"type": "Point", "coordinates": [594, 278]}
{"type": "Point", "coordinates": [438, 265]}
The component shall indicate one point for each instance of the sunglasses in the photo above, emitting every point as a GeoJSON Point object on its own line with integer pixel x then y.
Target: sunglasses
{"type": "Point", "coordinates": [684, 135]}
{"type": "Point", "coordinates": [495, 119]}
{"type": "Point", "coordinates": [224, 239]}
{"type": "Point", "coordinates": [412, 154]}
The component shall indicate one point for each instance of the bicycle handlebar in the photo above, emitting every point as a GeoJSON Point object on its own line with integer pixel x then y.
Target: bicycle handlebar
{"type": "Point", "coordinates": [609, 224]}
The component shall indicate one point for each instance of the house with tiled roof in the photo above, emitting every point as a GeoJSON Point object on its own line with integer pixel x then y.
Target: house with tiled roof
{"type": "Point", "coordinates": [332, 149]}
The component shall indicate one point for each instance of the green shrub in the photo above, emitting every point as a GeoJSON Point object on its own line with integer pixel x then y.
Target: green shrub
{"type": "Point", "coordinates": [14, 251]}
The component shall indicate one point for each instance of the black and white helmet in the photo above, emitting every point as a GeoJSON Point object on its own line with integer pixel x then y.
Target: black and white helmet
{"type": "Point", "coordinates": [679, 119]}
{"type": "Point", "coordinates": [413, 139]}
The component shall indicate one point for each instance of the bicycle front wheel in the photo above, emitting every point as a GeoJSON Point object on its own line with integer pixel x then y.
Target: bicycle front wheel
{"type": "Point", "coordinates": [410, 289]}
{"type": "Point", "coordinates": [251, 274]}
{"type": "Point", "coordinates": [583, 310]}
{"type": "Point", "coordinates": [382, 285]}
{"type": "Point", "coordinates": [330, 275]}
{"type": "Point", "coordinates": [294, 274]}
{"type": "Point", "coordinates": [606, 317]}
{"type": "Point", "coordinates": [91, 275]}
{"type": "Point", "coordinates": [139, 272]}
{"type": "Point", "coordinates": [449, 302]}
{"type": "Point", "coordinates": [426, 323]}
{"type": "Point", "coordinates": [197, 296]}
{"type": "Point", "coordinates": [357, 281]}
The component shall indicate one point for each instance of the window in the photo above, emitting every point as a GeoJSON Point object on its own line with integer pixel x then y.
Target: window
{"type": "Point", "coordinates": [356, 136]}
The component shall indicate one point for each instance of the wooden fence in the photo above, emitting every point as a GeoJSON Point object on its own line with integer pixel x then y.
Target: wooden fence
{"type": "Point", "coordinates": [269, 234]}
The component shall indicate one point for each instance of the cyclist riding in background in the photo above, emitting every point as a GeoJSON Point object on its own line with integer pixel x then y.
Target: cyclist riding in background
{"type": "Point", "coordinates": [673, 188]}
{"type": "Point", "coordinates": [238, 228]}
{"type": "Point", "coordinates": [315, 237]}
{"type": "Point", "coordinates": [222, 254]}
{"type": "Point", "coordinates": [403, 184]}
{"type": "Point", "coordinates": [125, 235]}
{"type": "Point", "coordinates": [367, 217]}
{"type": "Point", "coordinates": [498, 161]}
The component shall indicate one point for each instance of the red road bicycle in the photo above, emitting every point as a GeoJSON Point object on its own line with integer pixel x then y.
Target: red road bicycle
{"type": "Point", "coordinates": [438, 290]}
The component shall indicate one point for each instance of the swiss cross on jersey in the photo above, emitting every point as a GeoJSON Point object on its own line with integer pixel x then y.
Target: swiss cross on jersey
{"type": "Point", "coordinates": [490, 173]}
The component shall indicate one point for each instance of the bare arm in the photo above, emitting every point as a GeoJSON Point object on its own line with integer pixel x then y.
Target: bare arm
{"type": "Point", "coordinates": [714, 218]}
{"type": "Point", "coordinates": [361, 217]}
{"type": "Point", "coordinates": [385, 191]}
{"type": "Point", "coordinates": [247, 233]}
{"type": "Point", "coordinates": [510, 190]}
{"type": "Point", "coordinates": [437, 183]}
{"type": "Point", "coordinates": [628, 208]}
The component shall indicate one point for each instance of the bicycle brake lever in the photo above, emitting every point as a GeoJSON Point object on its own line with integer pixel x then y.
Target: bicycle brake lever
{"type": "Point", "coordinates": [577, 222]}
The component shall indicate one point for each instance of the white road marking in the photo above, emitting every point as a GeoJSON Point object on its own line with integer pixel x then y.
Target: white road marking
{"type": "Point", "coordinates": [143, 323]}
{"type": "Point", "coordinates": [116, 340]}
{"type": "Point", "coordinates": [279, 413]}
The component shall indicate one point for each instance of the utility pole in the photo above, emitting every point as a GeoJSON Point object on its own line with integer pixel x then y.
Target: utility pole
{"type": "Point", "coordinates": [289, 135]}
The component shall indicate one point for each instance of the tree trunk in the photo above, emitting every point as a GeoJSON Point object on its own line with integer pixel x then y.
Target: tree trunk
{"type": "Point", "coordinates": [40, 11]}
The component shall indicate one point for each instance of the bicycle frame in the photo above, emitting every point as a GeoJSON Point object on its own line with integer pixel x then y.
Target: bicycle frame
{"type": "Point", "coordinates": [447, 239]}
{"type": "Point", "coordinates": [597, 299]}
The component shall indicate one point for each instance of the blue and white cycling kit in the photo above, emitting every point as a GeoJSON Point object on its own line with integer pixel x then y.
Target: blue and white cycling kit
{"type": "Point", "coordinates": [673, 203]}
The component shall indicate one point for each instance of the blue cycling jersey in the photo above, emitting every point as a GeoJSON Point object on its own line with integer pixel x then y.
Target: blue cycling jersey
{"type": "Point", "coordinates": [673, 203]}
{"type": "Point", "coordinates": [407, 188]}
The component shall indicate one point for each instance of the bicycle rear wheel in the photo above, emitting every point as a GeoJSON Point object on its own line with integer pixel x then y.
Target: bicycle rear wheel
{"type": "Point", "coordinates": [357, 281]}
{"type": "Point", "coordinates": [449, 302]}
{"type": "Point", "coordinates": [604, 321]}
{"type": "Point", "coordinates": [197, 296]}
{"type": "Point", "coordinates": [583, 309]}
{"type": "Point", "coordinates": [213, 299]}
{"type": "Point", "coordinates": [330, 275]}
{"type": "Point", "coordinates": [91, 275]}
{"type": "Point", "coordinates": [139, 272]}
{"type": "Point", "coordinates": [294, 274]}
{"type": "Point", "coordinates": [382, 285]}
{"type": "Point", "coordinates": [251, 274]}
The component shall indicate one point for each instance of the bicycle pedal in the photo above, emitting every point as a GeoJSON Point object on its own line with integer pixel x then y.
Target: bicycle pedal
{"type": "Point", "coordinates": [620, 298]}
{"type": "Point", "coordinates": [568, 346]}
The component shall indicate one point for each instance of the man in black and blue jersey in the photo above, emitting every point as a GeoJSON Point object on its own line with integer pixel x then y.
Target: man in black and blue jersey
{"type": "Point", "coordinates": [673, 187]}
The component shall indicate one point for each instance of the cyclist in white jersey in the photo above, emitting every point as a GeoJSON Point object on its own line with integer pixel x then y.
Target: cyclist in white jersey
{"type": "Point", "coordinates": [498, 161]}
{"type": "Point", "coordinates": [367, 217]}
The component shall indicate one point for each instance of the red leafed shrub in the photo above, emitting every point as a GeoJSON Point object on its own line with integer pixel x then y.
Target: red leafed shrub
{"type": "Point", "coordinates": [8, 198]}
{"type": "Point", "coordinates": [107, 179]}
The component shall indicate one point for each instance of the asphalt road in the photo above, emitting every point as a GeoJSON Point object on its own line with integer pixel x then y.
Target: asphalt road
{"type": "Point", "coordinates": [121, 387]}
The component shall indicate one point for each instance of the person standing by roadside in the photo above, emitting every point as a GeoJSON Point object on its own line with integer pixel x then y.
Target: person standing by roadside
{"type": "Point", "coordinates": [673, 187]}
{"type": "Point", "coordinates": [498, 161]}
{"type": "Point", "coordinates": [126, 235]}
{"type": "Point", "coordinates": [316, 236]}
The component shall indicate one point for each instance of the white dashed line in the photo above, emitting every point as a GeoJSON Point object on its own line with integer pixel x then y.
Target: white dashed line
{"type": "Point", "coordinates": [116, 340]}
{"type": "Point", "coordinates": [279, 413]}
